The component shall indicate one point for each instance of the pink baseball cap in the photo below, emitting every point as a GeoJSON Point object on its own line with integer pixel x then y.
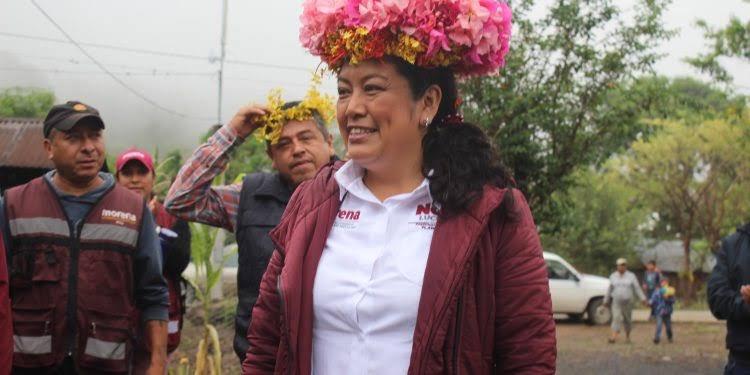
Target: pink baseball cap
{"type": "Point", "coordinates": [135, 154]}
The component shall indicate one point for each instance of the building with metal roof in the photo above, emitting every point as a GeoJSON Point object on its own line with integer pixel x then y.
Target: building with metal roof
{"type": "Point", "coordinates": [22, 156]}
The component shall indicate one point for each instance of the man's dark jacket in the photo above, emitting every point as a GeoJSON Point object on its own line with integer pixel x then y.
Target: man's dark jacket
{"type": "Point", "coordinates": [263, 199]}
{"type": "Point", "coordinates": [731, 272]}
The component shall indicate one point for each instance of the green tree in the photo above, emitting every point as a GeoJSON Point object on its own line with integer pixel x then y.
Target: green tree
{"type": "Point", "coordinates": [552, 109]}
{"type": "Point", "coordinates": [732, 40]}
{"type": "Point", "coordinates": [600, 220]}
{"type": "Point", "coordinates": [249, 157]}
{"type": "Point", "coordinates": [25, 102]}
{"type": "Point", "coordinates": [683, 98]}
{"type": "Point", "coordinates": [166, 171]}
{"type": "Point", "coordinates": [692, 174]}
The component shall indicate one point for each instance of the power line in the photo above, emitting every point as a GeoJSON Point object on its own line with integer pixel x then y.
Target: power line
{"type": "Point", "coordinates": [157, 53]}
{"type": "Point", "coordinates": [267, 81]}
{"type": "Point", "coordinates": [272, 66]}
{"type": "Point", "coordinates": [154, 73]}
{"type": "Point", "coordinates": [113, 76]}
{"type": "Point", "coordinates": [74, 61]}
{"type": "Point", "coordinates": [104, 46]}
{"type": "Point", "coordinates": [167, 74]}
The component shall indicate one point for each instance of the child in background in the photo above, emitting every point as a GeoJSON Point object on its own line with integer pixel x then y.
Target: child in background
{"type": "Point", "coordinates": [662, 301]}
{"type": "Point", "coordinates": [651, 282]}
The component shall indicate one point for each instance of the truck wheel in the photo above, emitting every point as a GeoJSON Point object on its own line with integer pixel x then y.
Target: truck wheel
{"type": "Point", "coordinates": [598, 314]}
{"type": "Point", "coordinates": [575, 318]}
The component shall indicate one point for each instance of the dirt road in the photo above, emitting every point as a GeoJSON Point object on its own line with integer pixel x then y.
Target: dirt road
{"type": "Point", "coordinates": [582, 349]}
{"type": "Point", "coordinates": [698, 349]}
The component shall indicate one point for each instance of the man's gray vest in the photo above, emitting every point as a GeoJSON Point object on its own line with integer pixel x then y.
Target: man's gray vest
{"type": "Point", "coordinates": [263, 199]}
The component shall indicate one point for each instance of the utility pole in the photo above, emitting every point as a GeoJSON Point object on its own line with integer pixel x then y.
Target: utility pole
{"type": "Point", "coordinates": [225, 5]}
{"type": "Point", "coordinates": [218, 250]}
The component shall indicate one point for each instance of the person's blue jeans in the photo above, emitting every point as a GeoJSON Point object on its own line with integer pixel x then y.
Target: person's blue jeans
{"type": "Point", "coordinates": [734, 368]}
{"type": "Point", "coordinates": [667, 321]}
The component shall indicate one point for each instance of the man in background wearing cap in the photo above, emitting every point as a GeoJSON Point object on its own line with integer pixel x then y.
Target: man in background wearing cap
{"type": "Point", "coordinates": [254, 207]}
{"type": "Point", "coordinates": [135, 171]}
{"type": "Point", "coordinates": [83, 256]}
{"type": "Point", "coordinates": [623, 287]}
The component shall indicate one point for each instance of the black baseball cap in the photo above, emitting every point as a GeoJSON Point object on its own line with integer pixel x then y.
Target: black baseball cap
{"type": "Point", "coordinates": [64, 117]}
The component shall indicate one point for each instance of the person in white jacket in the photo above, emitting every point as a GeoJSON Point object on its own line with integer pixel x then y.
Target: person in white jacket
{"type": "Point", "coordinates": [623, 288]}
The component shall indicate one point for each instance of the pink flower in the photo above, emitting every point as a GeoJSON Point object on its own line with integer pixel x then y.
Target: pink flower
{"type": "Point", "coordinates": [438, 40]}
{"type": "Point", "coordinates": [395, 5]}
{"type": "Point", "coordinates": [329, 6]}
{"type": "Point", "coordinates": [478, 30]}
{"type": "Point", "coordinates": [372, 15]}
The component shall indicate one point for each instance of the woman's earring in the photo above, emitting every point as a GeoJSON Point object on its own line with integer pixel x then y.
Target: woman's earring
{"type": "Point", "coordinates": [426, 122]}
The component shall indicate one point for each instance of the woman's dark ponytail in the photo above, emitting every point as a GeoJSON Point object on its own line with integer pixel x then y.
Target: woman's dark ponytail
{"type": "Point", "coordinates": [458, 158]}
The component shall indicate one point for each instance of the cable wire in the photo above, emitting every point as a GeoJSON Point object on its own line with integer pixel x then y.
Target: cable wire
{"type": "Point", "coordinates": [157, 53]}
{"type": "Point", "coordinates": [110, 74]}
{"type": "Point", "coordinates": [155, 73]}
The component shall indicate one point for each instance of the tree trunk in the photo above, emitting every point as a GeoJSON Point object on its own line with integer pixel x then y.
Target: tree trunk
{"type": "Point", "coordinates": [687, 272]}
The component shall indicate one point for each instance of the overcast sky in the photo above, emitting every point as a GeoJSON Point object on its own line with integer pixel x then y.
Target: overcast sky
{"type": "Point", "coordinates": [263, 52]}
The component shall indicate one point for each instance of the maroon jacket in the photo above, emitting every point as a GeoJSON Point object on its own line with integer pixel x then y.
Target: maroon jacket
{"type": "Point", "coordinates": [485, 305]}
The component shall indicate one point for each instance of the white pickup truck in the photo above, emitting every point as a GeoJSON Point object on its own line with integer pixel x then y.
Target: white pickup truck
{"type": "Point", "coordinates": [576, 294]}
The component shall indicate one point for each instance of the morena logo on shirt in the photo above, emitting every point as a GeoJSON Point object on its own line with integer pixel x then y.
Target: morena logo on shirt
{"type": "Point", "coordinates": [118, 216]}
{"type": "Point", "coordinates": [348, 215]}
{"type": "Point", "coordinates": [427, 209]}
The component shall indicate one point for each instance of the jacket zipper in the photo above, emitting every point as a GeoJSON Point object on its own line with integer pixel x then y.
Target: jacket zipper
{"type": "Point", "coordinates": [288, 332]}
{"type": "Point", "coordinates": [460, 290]}
{"type": "Point", "coordinates": [457, 333]}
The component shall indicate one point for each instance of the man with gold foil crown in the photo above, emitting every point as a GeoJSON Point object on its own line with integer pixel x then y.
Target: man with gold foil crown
{"type": "Point", "coordinates": [298, 144]}
{"type": "Point", "coordinates": [417, 255]}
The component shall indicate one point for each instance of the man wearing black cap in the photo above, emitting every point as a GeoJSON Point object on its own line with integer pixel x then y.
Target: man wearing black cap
{"type": "Point", "coordinates": [83, 257]}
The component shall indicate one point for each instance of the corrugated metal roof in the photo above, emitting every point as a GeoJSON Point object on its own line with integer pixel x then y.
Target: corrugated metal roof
{"type": "Point", "coordinates": [670, 257]}
{"type": "Point", "coordinates": [21, 142]}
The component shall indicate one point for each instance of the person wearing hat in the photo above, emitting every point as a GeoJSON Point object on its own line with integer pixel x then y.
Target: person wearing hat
{"type": "Point", "coordinates": [298, 144]}
{"type": "Point", "coordinates": [417, 255]}
{"type": "Point", "coordinates": [623, 288]}
{"type": "Point", "coordinates": [83, 257]}
{"type": "Point", "coordinates": [135, 171]}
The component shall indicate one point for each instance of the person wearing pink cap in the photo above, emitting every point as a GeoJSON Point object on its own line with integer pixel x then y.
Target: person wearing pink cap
{"type": "Point", "coordinates": [135, 171]}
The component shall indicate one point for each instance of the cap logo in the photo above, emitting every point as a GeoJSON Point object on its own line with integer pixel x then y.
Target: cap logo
{"type": "Point", "coordinates": [79, 107]}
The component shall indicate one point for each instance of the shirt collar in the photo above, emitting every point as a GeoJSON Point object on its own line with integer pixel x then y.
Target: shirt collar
{"type": "Point", "coordinates": [349, 178]}
{"type": "Point", "coordinates": [107, 178]}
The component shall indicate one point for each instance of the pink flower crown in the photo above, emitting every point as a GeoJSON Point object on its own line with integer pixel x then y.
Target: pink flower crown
{"type": "Point", "coordinates": [469, 36]}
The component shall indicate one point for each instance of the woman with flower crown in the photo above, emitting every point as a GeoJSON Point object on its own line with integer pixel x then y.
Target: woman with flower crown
{"type": "Point", "coordinates": [417, 255]}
